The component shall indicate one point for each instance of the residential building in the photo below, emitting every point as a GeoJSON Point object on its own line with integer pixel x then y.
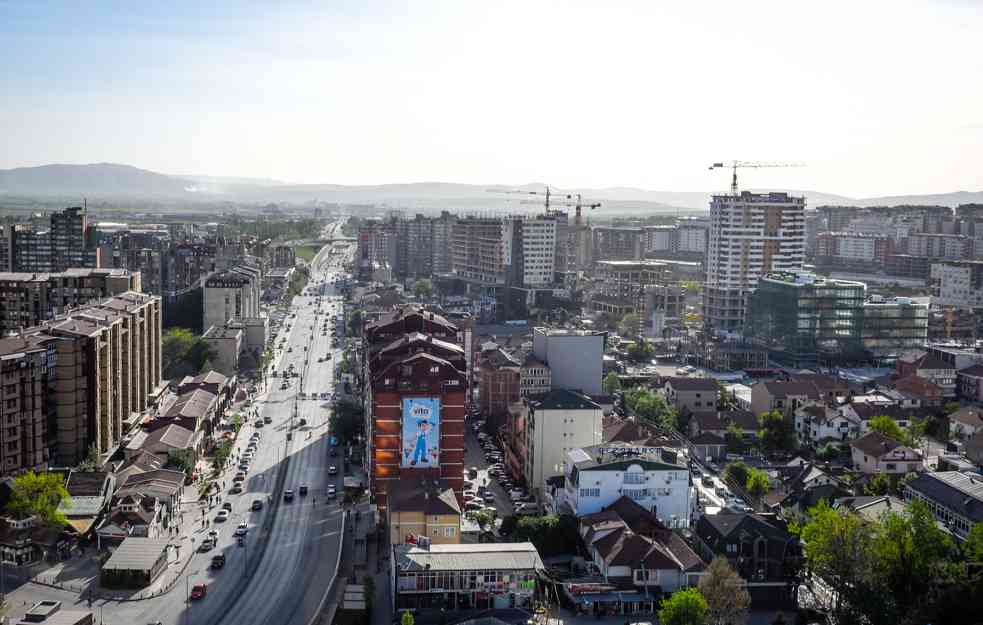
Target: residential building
{"type": "Point", "coordinates": [498, 382]}
{"type": "Point", "coordinates": [941, 246]}
{"type": "Point", "coordinates": [954, 355]}
{"type": "Point", "coordinates": [6, 248]}
{"type": "Point", "coordinates": [751, 235]}
{"type": "Point", "coordinates": [854, 250]}
{"type": "Point", "coordinates": [634, 551]}
{"type": "Point", "coordinates": [423, 508]}
{"type": "Point", "coordinates": [805, 319]}
{"type": "Point", "coordinates": [283, 256]}
{"type": "Point", "coordinates": [758, 548]}
{"type": "Point", "coordinates": [691, 236]}
{"type": "Point", "coordinates": [958, 283]}
{"type": "Point", "coordinates": [557, 422]}
{"type": "Point", "coordinates": [534, 377]}
{"type": "Point", "coordinates": [68, 243]}
{"type": "Point", "coordinates": [655, 478]}
{"type": "Point", "coordinates": [464, 576]}
{"type": "Point", "coordinates": [657, 238]}
{"type": "Point", "coordinates": [966, 422]}
{"type": "Point", "coordinates": [929, 367]}
{"type": "Point", "coordinates": [893, 325]}
{"type": "Point", "coordinates": [788, 395]}
{"type": "Point", "coordinates": [575, 357]}
{"type": "Point", "coordinates": [477, 250]}
{"type": "Point", "coordinates": [920, 391]}
{"type": "Point", "coordinates": [28, 299]}
{"type": "Point", "coordinates": [733, 356]}
{"type": "Point", "coordinates": [692, 395]}
{"type": "Point", "coordinates": [416, 388]}
{"type": "Point", "coordinates": [955, 499]}
{"type": "Point", "coordinates": [816, 424]}
{"type": "Point", "coordinates": [875, 453]}
{"type": "Point", "coordinates": [26, 367]}
{"type": "Point", "coordinates": [970, 383]}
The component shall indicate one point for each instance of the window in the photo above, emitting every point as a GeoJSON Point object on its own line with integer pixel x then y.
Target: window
{"type": "Point", "coordinates": [448, 532]}
{"type": "Point", "coordinates": [590, 492]}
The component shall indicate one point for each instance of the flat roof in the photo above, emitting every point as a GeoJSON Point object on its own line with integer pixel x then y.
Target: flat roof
{"type": "Point", "coordinates": [136, 554]}
{"type": "Point", "coordinates": [469, 557]}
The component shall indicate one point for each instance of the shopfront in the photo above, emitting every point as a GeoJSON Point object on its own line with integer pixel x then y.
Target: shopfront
{"type": "Point", "coordinates": [465, 577]}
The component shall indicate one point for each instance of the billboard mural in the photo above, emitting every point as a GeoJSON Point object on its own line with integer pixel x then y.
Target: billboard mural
{"type": "Point", "coordinates": [421, 433]}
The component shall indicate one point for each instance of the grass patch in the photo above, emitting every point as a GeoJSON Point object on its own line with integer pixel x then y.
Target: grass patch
{"type": "Point", "coordinates": [307, 252]}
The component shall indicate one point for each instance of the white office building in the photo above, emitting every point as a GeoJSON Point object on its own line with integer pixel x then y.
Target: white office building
{"type": "Point", "coordinates": [751, 234]}
{"type": "Point", "coordinates": [557, 423]}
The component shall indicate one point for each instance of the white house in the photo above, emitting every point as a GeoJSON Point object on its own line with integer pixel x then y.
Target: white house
{"type": "Point", "coordinates": [876, 453]}
{"type": "Point", "coordinates": [653, 477]}
{"type": "Point", "coordinates": [816, 423]}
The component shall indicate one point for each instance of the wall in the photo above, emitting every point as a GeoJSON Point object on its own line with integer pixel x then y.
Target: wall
{"type": "Point", "coordinates": [554, 433]}
{"type": "Point", "coordinates": [575, 360]}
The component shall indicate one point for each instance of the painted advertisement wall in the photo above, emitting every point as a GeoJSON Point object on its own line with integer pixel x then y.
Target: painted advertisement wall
{"type": "Point", "coordinates": [421, 433]}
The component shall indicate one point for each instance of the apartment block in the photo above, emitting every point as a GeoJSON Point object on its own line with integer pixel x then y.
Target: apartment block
{"type": "Point", "coordinates": [853, 250]}
{"type": "Point", "coordinates": [26, 364]}
{"type": "Point", "coordinates": [574, 357]}
{"type": "Point", "coordinates": [751, 235]}
{"type": "Point", "coordinates": [617, 243]}
{"type": "Point", "coordinates": [69, 242]}
{"type": "Point", "coordinates": [941, 246]}
{"type": "Point", "coordinates": [28, 299]}
{"type": "Point", "coordinates": [232, 293]}
{"type": "Point", "coordinates": [478, 251]}
{"type": "Point", "coordinates": [958, 284]}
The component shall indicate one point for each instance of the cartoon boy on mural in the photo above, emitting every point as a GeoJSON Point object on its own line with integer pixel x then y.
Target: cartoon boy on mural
{"type": "Point", "coordinates": [420, 449]}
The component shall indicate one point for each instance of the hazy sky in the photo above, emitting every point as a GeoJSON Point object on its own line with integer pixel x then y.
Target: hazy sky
{"type": "Point", "coordinates": [875, 97]}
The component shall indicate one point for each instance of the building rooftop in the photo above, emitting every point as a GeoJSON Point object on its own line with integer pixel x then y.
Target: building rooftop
{"type": "Point", "coordinates": [222, 333]}
{"type": "Point", "coordinates": [469, 557]}
{"type": "Point", "coordinates": [136, 554]}
{"type": "Point", "coordinates": [957, 491]}
{"type": "Point", "coordinates": [563, 399]}
{"type": "Point", "coordinates": [619, 455]}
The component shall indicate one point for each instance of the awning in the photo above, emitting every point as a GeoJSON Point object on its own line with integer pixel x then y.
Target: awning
{"type": "Point", "coordinates": [82, 526]}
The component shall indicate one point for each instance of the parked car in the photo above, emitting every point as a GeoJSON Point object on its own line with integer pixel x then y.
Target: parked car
{"type": "Point", "coordinates": [242, 529]}
{"type": "Point", "coordinates": [222, 516]}
{"type": "Point", "coordinates": [303, 489]}
{"type": "Point", "coordinates": [218, 561]}
{"type": "Point", "coordinates": [288, 495]}
{"type": "Point", "coordinates": [198, 591]}
{"type": "Point", "coordinates": [257, 504]}
{"type": "Point", "coordinates": [332, 470]}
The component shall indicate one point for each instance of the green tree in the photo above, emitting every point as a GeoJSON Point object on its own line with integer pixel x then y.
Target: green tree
{"type": "Point", "coordinates": [725, 593]}
{"type": "Point", "coordinates": [551, 534]}
{"type": "Point", "coordinates": [407, 618]}
{"type": "Point", "coordinates": [40, 494]}
{"type": "Point", "coordinates": [735, 438]}
{"type": "Point", "coordinates": [355, 322]}
{"type": "Point", "coordinates": [346, 421]}
{"type": "Point", "coordinates": [951, 407]}
{"type": "Point", "coordinates": [757, 482]}
{"type": "Point", "coordinates": [182, 460]}
{"type": "Point", "coordinates": [611, 383]}
{"type": "Point", "coordinates": [828, 451]}
{"type": "Point", "coordinates": [738, 471]}
{"type": "Point", "coordinates": [684, 607]}
{"type": "Point", "coordinates": [775, 432]}
{"type": "Point", "coordinates": [483, 518]}
{"type": "Point", "coordinates": [838, 549]}
{"type": "Point", "coordinates": [691, 286]}
{"type": "Point", "coordinates": [651, 406]}
{"type": "Point", "coordinates": [973, 547]}
{"type": "Point", "coordinates": [174, 346]}
{"type": "Point", "coordinates": [423, 288]}
{"type": "Point", "coordinates": [628, 326]}
{"type": "Point", "coordinates": [888, 427]}
{"type": "Point", "coordinates": [879, 485]}
{"type": "Point", "coordinates": [641, 351]}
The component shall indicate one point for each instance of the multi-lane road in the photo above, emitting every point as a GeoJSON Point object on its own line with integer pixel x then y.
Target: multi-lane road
{"type": "Point", "coordinates": [288, 557]}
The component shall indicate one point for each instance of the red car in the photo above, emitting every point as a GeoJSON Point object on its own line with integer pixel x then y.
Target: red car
{"type": "Point", "coordinates": [198, 591]}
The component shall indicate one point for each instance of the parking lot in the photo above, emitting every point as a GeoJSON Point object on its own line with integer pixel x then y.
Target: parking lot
{"type": "Point", "coordinates": [475, 457]}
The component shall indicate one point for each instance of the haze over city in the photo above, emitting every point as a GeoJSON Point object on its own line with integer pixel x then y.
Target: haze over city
{"type": "Point", "coordinates": [876, 98]}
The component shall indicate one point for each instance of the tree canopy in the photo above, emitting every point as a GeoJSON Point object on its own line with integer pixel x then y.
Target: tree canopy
{"type": "Point", "coordinates": [423, 288]}
{"type": "Point", "coordinates": [641, 351]}
{"type": "Point", "coordinates": [684, 607]}
{"type": "Point", "coordinates": [611, 383]}
{"type": "Point", "coordinates": [628, 326]}
{"type": "Point", "coordinates": [184, 353]}
{"type": "Point", "coordinates": [651, 406]}
{"type": "Point", "coordinates": [775, 432]}
{"type": "Point", "coordinates": [39, 494]}
{"type": "Point", "coordinates": [723, 589]}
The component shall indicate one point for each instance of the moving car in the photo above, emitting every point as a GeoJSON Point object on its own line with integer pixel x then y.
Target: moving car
{"type": "Point", "coordinates": [332, 470]}
{"type": "Point", "coordinates": [222, 516]}
{"type": "Point", "coordinates": [303, 489]}
{"type": "Point", "coordinates": [218, 561]}
{"type": "Point", "coordinates": [207, 544]}
{"type": "Point", "coordinates": [257, 504]}
{"type": "Point", "coordinates": [267, 419]}
{"type": "Point", "coordinates": [288, 495]}
{"type": "Point", "coordinates": [198, 591]}
{"type": "Point", "coordinates": [242, 529]}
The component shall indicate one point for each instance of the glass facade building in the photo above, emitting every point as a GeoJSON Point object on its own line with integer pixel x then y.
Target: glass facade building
{"type": "Point", "coordinates": [894, 325]}
{"type": "Point", "coordinates": [804, 319]}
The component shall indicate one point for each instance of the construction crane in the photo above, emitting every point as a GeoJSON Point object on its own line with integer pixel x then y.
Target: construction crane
{"type": "Point", "coordinates": [734, 165]}
{"type": "Point", "coordinates": [567, 199]}
{"type": "Point", "coordinates": [579, 205]}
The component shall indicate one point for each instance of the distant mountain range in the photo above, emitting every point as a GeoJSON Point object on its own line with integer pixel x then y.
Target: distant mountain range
{"type": "Point", "coordinates": [103, 181]}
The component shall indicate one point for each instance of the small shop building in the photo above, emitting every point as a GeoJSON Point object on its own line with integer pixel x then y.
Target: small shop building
{"type": "Point", "coordinates": [465, 576]}
{"type": "Point", "coordinates": [136, 563]}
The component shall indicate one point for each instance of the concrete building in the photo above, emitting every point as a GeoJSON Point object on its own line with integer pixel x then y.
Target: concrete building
{"type": "Point", "coordinates": [575, 357]}
{"type": "Point", "coordinates": [969, 382]}
{"type": "Point", "coordinates": [955, 499]}
{"type": "Point", "coordinates": [617, 243]}
{"type": "Point", "coordinates": [28, 299]}
{"type": "Point", "coordinates": [227, 341]}
{"type": "Point", "coordinates": [654, 477]}
{"type": "Point", "coordinates": [958, 284]}
{"type": "Point", "coordinates": [534, 377]}
{"type": "Point", "coordinates": [692, 236]}
{"type": "Point", "coordinates": [284, 256]}
{"type": "Point", "coordinates": [557, 422]}
{"type": "Point", "coordinates": [692, 395]}
{"type": "Point", "coordinates": [751, 235]}
{"type": "Point", "coordinates": [658, 238]}
{"type": "Point", "coordinates": [6, 248]}
{"type": "Point", "coordinates": [68, 243]}
{"type": "Point", "coordinates": [498, 382]}
{"type": "Point", "coordinates": [477, 250]}
{"type": "Point", "coordinates": [853, 250]}
{"type": "Point", "coordinates": [232, 293]}
{"type": "Point", "coordinates": [941, 246]}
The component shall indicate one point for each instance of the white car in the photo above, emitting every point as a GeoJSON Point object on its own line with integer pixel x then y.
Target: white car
{"type": "Point", "coordinates": [222, 516]}
{"type": "Point", "coordinates": [242, 529]}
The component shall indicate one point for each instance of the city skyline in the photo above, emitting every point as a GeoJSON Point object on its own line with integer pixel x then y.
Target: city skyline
{"type": "Point", "coordinates": [875, 99]}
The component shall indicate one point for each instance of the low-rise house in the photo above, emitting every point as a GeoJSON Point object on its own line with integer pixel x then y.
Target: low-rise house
{"type": "Point", "coordinates": [876, 453]}
{"type": "Point", "coordinates": [744, 420]}
{"type": "Point", "coordinates": [136, 563]}
{"type": "Point", "coordinates": [904, 417]}
{"type": "Point", "coordinates": [788, 395]}
{"type": "Point", "coordinates": [464, 576]}
{"type": "Point", "coordinates": [922, 391]}
{"type": "Point", "coordinates": [930, 367]}
{"type": "Point", "coordinates": [91, 493]}
{"type": "Point", "coordinates": [165, 485]}
{"type": "Point", "coordinates": [656, 478]}
{"type": "Point", "coordinates": [25, 540]}
{"type": "Point", "coordinates": [707, 422]}
{"type": "Point", "coordinates": [974, 448]}
{"type": "Point", "coordinates": [692, 395]}
{"type": "Point", "coordinates": [196, 406]}
{"type": "Point", "coordinates": [132, 514]}
{"type": "Point", "coordinates": [970, 383]}
{"type": "Point", "coordinates": [165, 439]}
{"type": "Point", "coordinates": [871, 508]}
{"type": "Point", "coordinates": [966, 422]}
{"type": "Point", "coordinates": [817, 423]}
{"type": "Point", "coordinates": [221, 386]}
{"type": "Point", "coordinates": [956, 499]}
{"type": "Point", "coordinates": [708, 447]}
{"type": "Point", "coordinates": [423, 508]}
{"type": "Point", "coordinates": [634, 551]}
{"type": "Point", "coordinates": [759, 548]}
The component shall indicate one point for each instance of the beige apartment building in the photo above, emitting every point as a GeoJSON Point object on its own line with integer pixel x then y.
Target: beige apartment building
{"type": "Point", "coordinates": [103, 370]}
{"type": "Point", "coordinates": [25, 366]}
